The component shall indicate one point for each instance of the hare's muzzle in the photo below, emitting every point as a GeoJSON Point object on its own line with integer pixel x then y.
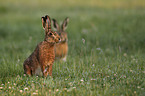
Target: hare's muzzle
{"type": "Point", "coordinates": [57, 40]}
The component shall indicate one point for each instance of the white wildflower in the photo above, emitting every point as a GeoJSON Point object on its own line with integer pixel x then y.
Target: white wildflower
{"type": "Point", "coordinates": [21, 91]}
{"type": "Point", "coordinates": [26, 88]}
{"type": "Point", "coordinates": [65, 88]}
{"type": "Point", "coordinates": [74, 87]}
{"type": "Point", "coordinates": [114, 74]}
{"type": "Point", "coordinates": [57, 90]}
{"type": "Point", "coordinates": [103, 84]}
{"type": "Point", "coordinates": [131, 71]}
{"type": "Point", "coordinates": [138, 87]}
{"type": "Point", "coordinates": [108, 76]}
{"type": "Point", "coordinates": [93, 79]}
{"type": "Point", "coordinates": [99, 49]}
{"type": "Point", "coordinates": [35, 93]}
{"type": "Point", "coordinates": [142, 88]}
{"type": "Point", "coordinates": [124, 54]}
{"type": "Point", "coordinates": [18, 60]}
{"type": "Point", "coordinates": [14, 83]}
{"type": "Point", "coordinates": [83, 40]}
{"type": "Point", "coordinates": [82, 80]}
{"type": "Point", "coordinates": [49, 91]}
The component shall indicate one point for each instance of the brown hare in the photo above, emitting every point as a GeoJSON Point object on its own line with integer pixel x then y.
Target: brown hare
{"type": "Point", "coordinates": [41, 60]}
{"type": "Point", "coordinates": [61, 48]}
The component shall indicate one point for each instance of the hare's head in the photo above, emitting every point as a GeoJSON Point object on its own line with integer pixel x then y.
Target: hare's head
{"type": "Point", "coordinates": [61, 29]}
{"type": "Point", "coordinates": [50, 36]}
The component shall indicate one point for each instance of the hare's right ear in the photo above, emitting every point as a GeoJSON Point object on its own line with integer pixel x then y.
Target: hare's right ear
{"type": "Point", "coordinates": [43, 22]}
{"type": "Point", "coordinates": [64, 24]}
{"type": "Point", "coordinates": [55, 24]}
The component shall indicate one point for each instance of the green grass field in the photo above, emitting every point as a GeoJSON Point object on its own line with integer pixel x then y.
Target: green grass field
{"type": "Point", "coordinates": [106, 47]}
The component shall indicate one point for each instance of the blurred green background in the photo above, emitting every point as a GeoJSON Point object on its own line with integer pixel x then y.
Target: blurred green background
{"type": "Point", "coordinates": [106, 34]}
{"type": "Point", "coordinates": [103, 23]}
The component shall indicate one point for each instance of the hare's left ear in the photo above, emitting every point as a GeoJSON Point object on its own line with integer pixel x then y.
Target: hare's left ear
{"type": "Point", "coordinates": [64, 24]}
{"type": "Point", "coordinates": [48, 24]}
{"type": "Point", "coordinates": [43, 22]}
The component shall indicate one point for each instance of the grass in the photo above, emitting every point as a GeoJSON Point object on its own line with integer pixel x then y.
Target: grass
{"type": "Point", "coordinates": [106, 47]}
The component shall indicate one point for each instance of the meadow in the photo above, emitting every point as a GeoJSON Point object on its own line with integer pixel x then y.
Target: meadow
{"type": "Point", "coordinates": [106, 47]}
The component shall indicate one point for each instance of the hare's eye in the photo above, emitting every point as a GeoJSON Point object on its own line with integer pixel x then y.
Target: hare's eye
{"type": "Point", "coordinates": [50, 33]}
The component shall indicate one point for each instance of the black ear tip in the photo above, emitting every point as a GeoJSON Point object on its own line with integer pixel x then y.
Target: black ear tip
{"type": "Point", "coordinates": [53, 20]}
{"type": "Point", "coordinates": [42, 17]}
{"type": "Point", "coordinates": [46, 16]}
{"type": "Point", "coordinates": [67, 19]}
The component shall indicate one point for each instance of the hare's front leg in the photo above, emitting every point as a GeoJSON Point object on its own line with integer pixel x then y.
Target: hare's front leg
{"type": "Point", "coordinates": [45, 70]}
{"type": "Point", "coordinates": [50, 69]}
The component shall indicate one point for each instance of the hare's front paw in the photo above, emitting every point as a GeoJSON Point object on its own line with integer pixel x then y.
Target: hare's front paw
{"type": "Point", "coordinates": [64, 59]}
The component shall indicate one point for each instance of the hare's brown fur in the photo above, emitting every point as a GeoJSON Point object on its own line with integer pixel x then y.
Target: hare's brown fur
{"type": "Point", "coordinates": [61, 48]}
{"type": "Point", "coordinates": [43, 56]}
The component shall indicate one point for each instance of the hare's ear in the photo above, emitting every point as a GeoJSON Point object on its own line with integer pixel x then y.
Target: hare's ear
{"type": "Point", "coordinates": [43, 22]}
{"type": "Point", "coordinates": [55, 24]}
{"type": "Point", "coordinates": [48, 23]}
{"type": "Point", "coordinates": [64, 24]}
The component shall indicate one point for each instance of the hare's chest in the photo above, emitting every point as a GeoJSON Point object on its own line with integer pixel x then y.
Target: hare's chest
{"type": "Point", "coordinates": [46, 55]}
{"type": "Point", "coordinates": [61, 49]}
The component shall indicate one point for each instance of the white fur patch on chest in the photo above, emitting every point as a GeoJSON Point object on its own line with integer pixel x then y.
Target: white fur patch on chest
{"type": "Point", "coordinates": [38, 71]}
{"type": "Point", "coordinates": [45, 70]}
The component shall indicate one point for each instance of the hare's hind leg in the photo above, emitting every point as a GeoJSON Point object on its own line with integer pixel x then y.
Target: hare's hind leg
{"type": "Point", "coordinates": [27, 70]}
